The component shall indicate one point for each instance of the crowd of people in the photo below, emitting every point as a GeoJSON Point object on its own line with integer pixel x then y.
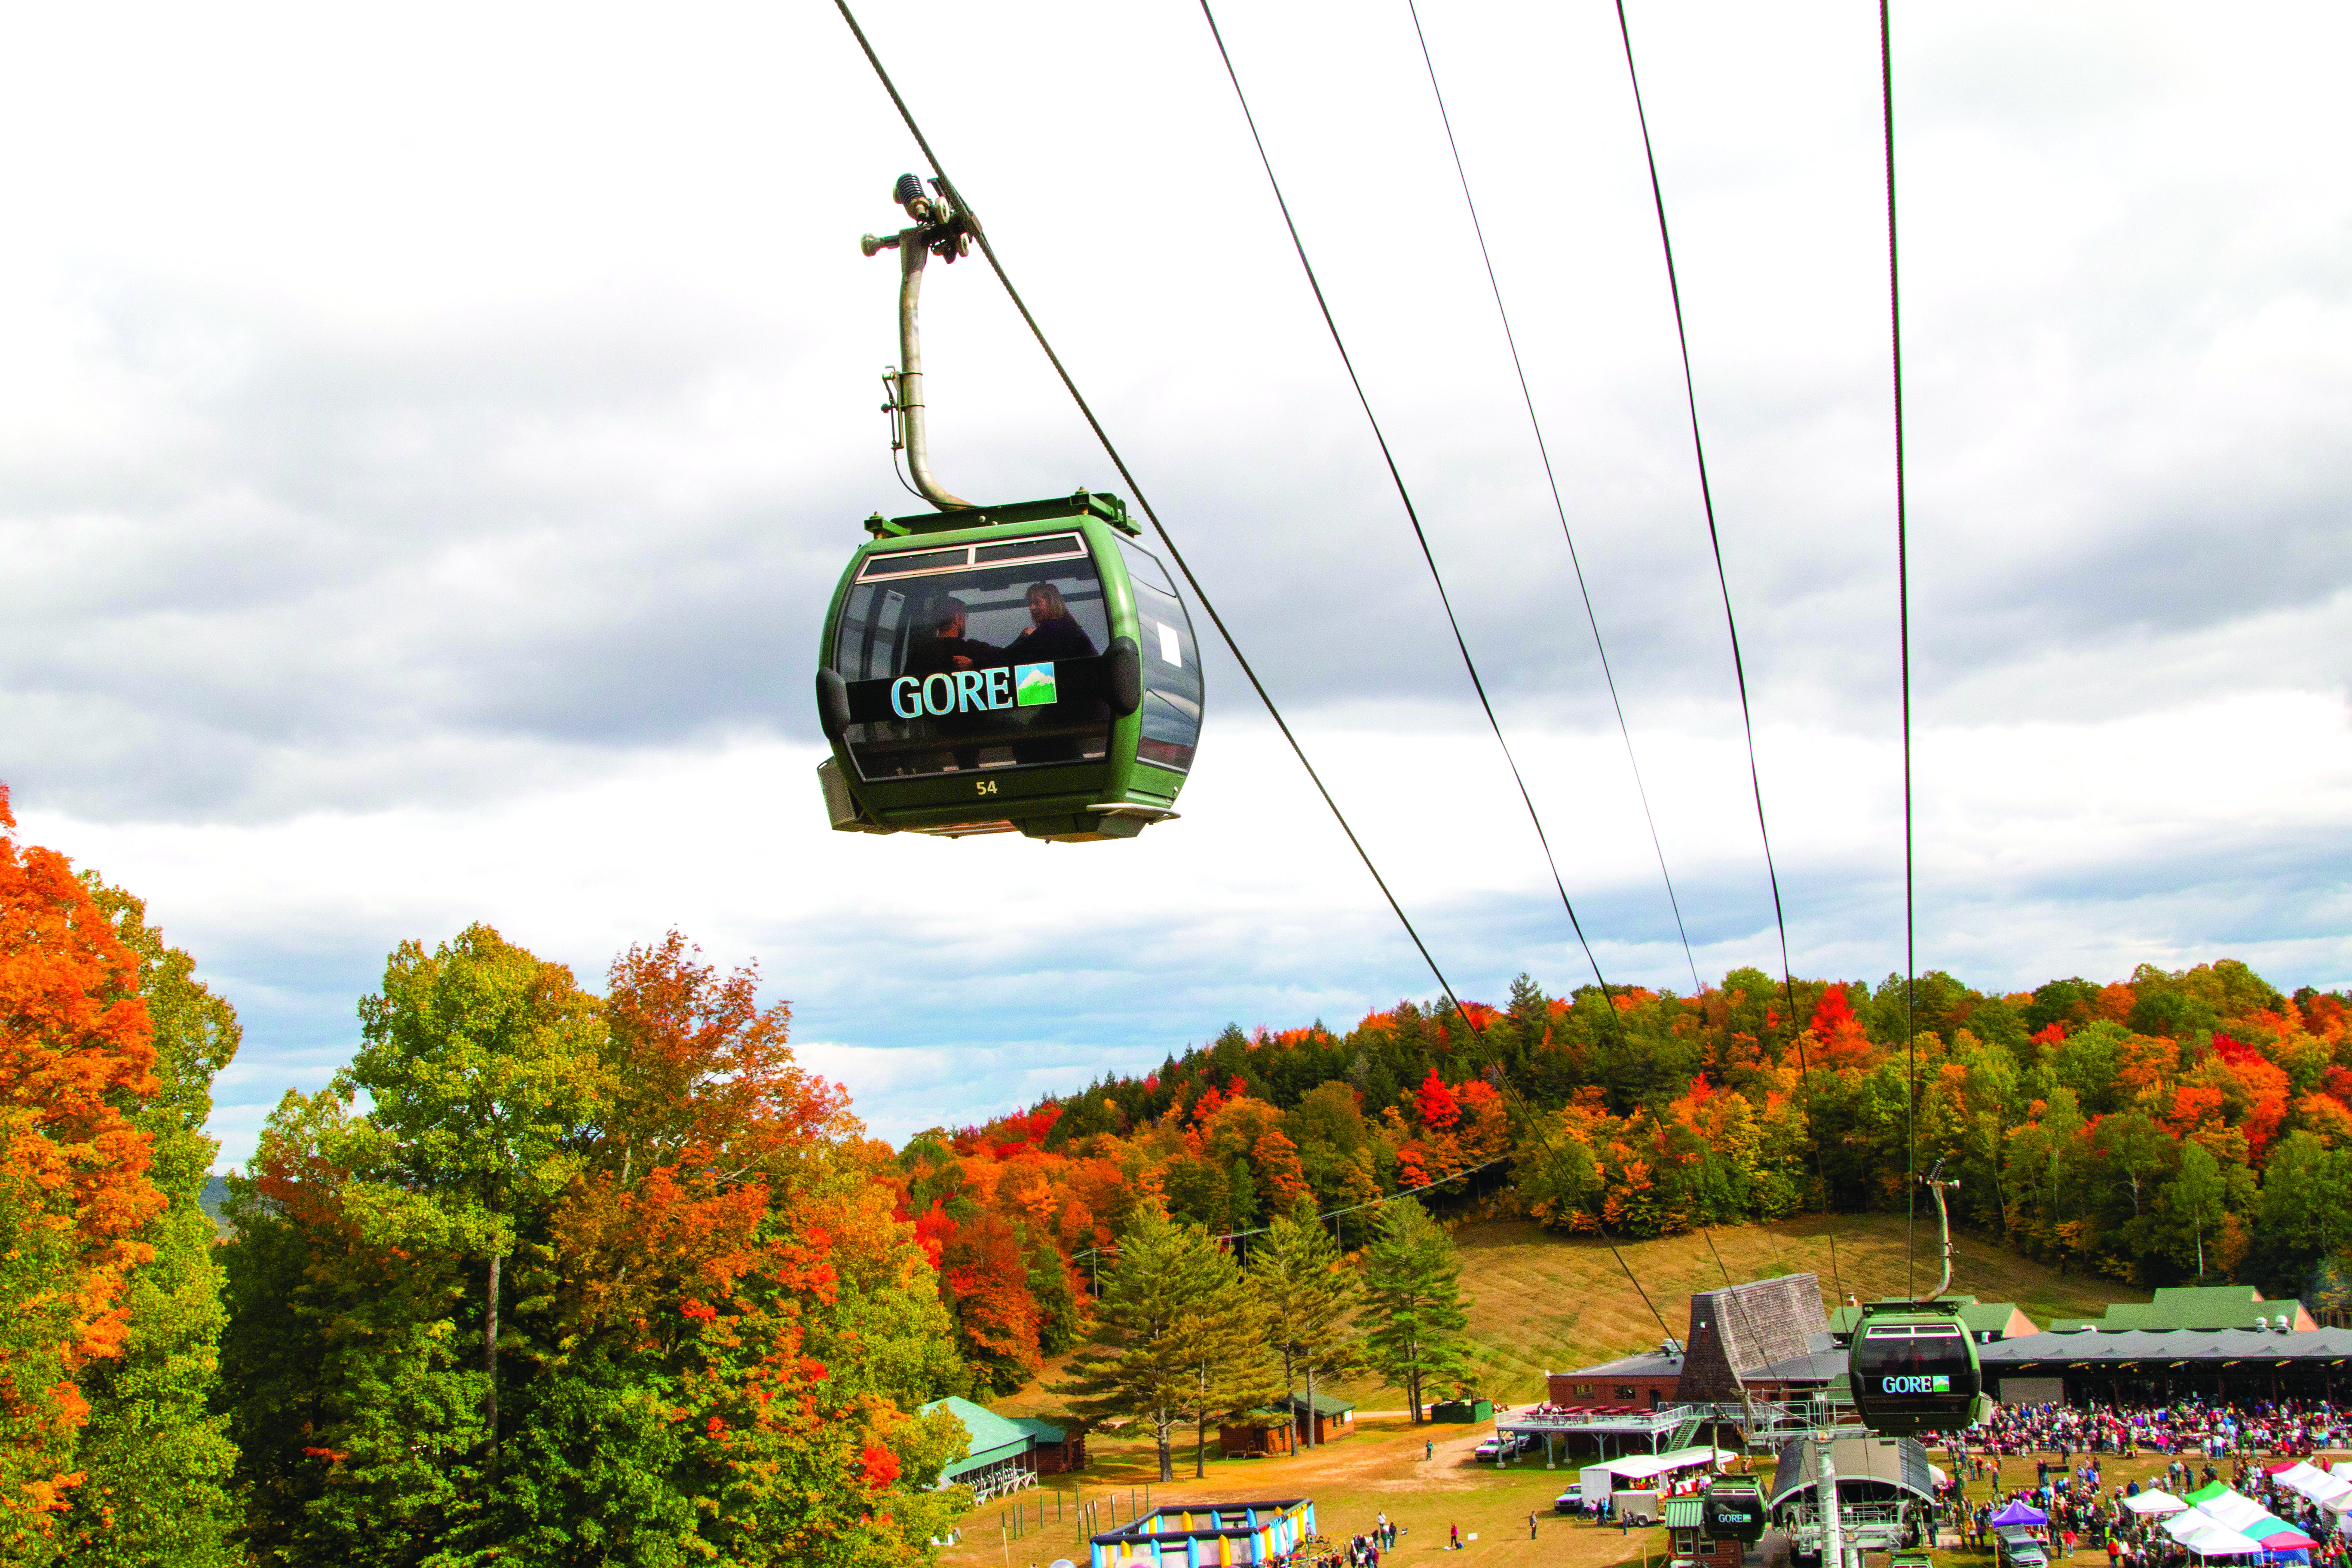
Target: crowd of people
{"type": "Point", "coordinates": [2070, 1449]}
{"type": "Point", "coordinates": [2288, 1429]}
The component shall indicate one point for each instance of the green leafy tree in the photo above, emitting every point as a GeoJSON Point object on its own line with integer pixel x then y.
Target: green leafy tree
{"type": "Point", "coordinates": [1295, 1273]}
{"type": "Point", "coordinates": [2194, 1198]}
{"type": "Point", "coordinates": [1413, 1317]}
{"type": "Point", "coordinates": [1143, 1363]}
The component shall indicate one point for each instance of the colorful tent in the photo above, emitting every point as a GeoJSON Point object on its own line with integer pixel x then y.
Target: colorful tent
{"type": "Point", "coordinates": [2020, 1514]}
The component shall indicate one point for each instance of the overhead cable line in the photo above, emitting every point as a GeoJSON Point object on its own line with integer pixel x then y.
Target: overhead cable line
{"type": "Point", "coordinates": [996, 264]}
{"type": "Point", "coordinates": [1559, 507]}
{"type": "Point", "coordinates": [1731, 624]}
{"type": "Point", "coordinates": [1412, 515]}
{"type": "Point", "coordinates": [1903, 624]}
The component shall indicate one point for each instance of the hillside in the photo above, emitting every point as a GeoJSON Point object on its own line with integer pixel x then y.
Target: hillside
{"type": "Point", "coordinates": [1545, 1302]}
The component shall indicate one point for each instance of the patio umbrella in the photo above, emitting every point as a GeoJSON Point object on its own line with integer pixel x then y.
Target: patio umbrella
{"type": "Point", "coordinates": [2020, 1513]}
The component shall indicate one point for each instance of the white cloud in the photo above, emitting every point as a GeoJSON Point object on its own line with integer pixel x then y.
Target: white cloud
{"type": "Point", "coordinates": [427, 443]}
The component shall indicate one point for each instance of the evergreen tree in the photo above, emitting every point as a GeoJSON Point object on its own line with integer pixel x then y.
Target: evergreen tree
{"type": "Point", "coordinates": [1412, 1316]}
{"type": "Point", "coordinates": [1241, 1195]}
{"type": "Point", "coordinates": [1225, 1339]}
{"type": "Point", "coordinates": [1147, 1354]}
{"type": "Point", "coordinates": [1308, 1296]}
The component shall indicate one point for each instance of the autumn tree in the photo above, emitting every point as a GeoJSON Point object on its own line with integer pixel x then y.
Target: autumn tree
{"type": "Point", "coordinates": [77, 1196]}
{"type": "Point", "coordinates": [1412, 1314]}
{"type": "Point", "coordinates": [156, 1458]}
{"type": "Point", "coordinates": [716, 1330]}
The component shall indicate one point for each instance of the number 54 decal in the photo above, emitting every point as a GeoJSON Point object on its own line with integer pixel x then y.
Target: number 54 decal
{"type": "Point", "coordinates": [986, 786]}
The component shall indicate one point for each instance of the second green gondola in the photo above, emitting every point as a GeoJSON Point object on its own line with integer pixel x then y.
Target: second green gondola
{"type": "Point", "coordinates": [1913, 1368]}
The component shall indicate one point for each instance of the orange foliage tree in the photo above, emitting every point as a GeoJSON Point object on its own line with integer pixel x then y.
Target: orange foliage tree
{"type": "Point", "coordinates": [75, 1050]}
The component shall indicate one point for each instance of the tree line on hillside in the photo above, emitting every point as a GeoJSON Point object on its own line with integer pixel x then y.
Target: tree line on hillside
{"type": "Point", "coordinates": [557, 1273]}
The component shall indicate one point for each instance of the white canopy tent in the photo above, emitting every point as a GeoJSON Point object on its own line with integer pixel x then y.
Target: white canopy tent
{"type": "Point", "coordinates": [2308, 1480]}
{"type": "Point", "coordinates": [2208, 1537]}
{"type": "Point", "coordinates": [2234, 1511]}
{"type": "Point", "coordinates": [2156, 1503]}
{"type": "Point", "coordinates": [1642, 1467]}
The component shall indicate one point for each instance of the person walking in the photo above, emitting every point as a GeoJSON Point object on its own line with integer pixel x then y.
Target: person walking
{"type": "Point", "coordinates": [1531, 1525]}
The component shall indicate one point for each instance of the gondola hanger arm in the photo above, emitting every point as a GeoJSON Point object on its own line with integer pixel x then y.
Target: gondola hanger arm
{"type": "Point", "coordinates": [942, 226]}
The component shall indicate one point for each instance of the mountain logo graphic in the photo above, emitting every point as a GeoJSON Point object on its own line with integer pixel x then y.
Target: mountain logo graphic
{"type": "Point", "coordinates": [1032, 685]}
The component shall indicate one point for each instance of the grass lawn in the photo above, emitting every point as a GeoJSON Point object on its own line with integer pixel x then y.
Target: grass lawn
{"type": "Point", "coordinates": [1381, 1469]}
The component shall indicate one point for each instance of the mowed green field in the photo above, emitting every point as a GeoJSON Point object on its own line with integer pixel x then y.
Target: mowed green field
{"type": "Point", "coordinates": [1539, 1302]}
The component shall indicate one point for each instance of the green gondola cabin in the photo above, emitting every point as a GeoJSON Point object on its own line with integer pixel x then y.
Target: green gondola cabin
{"type": "Point", "coordinates": [1024, 669]}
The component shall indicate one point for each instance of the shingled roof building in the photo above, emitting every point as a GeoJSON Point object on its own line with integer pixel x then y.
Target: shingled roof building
{"type": "Point", "coordinates": [1742, 1329]}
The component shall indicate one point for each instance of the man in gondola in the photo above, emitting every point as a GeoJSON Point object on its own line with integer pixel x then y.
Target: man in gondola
{"type": "Point", "coordinates": [946, 649]}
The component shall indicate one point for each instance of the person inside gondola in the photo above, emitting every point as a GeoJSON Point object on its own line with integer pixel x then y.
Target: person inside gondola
{"type": "Point", "coordinates": [1052, 632]}
{"type": "Point", "coordinates": [945, 649]}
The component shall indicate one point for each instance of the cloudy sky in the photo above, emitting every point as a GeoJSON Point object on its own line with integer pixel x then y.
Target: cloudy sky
{"type": "Point", "coordinates": [428, 437]}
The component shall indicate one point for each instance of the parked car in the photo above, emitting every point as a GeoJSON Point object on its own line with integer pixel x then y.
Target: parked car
{"type": "Point", "coordinates": [1571, 1500]}
{"type": "Point", "coordinates": [1488, 1447]}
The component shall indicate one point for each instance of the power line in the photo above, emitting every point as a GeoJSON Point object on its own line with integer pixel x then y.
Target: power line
{"type": "Point", "coordinates": [1552, 479]}
{"type": "Point", "coordinates": [1723, 581]}
{"type": "Point", "coordinates": [1902, 622]}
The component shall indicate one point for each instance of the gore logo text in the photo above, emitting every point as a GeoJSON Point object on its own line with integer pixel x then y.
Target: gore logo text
{"type": "Point", "coordinates": [957, 691]}
{"type": "Point", "coordinates": [1939, 1383]}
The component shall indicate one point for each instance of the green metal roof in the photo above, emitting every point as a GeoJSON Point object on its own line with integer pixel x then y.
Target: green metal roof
{"type": "Point", "coordinates": [1978, 1318]}
{"type": "Point", "coordinates": [1324, 1404]}
{"type": "Point", "coordinates": [2186, 1307]}
{"type": "Point", "coordinates": [1683, 1513]}
{"type": "Point", "coordinates": [1043, 1431]}
{"type": "Point", "coordinates": [993, 1437]}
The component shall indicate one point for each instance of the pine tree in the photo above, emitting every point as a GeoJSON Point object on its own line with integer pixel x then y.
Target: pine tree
{"type": "Point", "coordinates": [1225, 1340]}
{"type": "Point", "coordinates": [1308, 1295]}
{"type": "Point", "coordinates": [1143, 1363]}
{"type": "Point", "coordinates": [1412, 1316]}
